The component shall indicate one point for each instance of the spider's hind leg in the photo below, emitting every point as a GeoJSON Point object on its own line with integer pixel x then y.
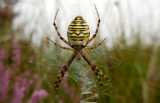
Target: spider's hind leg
{"type": "Point", "coordinates": [95, 69]}
{"type": "Point", "coordinates": [100, 82]}
{"type": "Point", "coordinates": [63, 71]}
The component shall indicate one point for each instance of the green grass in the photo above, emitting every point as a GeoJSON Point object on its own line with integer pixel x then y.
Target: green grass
{"type": "Point", "coordinates": [133, 71]}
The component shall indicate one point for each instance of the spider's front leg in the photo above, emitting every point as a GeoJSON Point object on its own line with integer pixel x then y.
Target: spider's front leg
{"type": "Point", "coordinates": [59, 35]}
{"type": "Point", "coordinates": [65, 48]}
{"type": "Point", "coordinates": [63, 71]}
{"type": "Point", "coordinates": [96, 32]}
{"type": "Point", "coordinates": [95, 69]}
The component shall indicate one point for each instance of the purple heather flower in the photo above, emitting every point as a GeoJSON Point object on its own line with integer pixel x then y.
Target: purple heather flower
{"type": "Point", "coordinates": [2, 53]}
{"type": "Point", "coordinates": [67, 89]}
{"type": "Point", "coordinates": [2, 67]}
{"type": "Point", "coordinates": [27, 73]}
{"type": "Point", "coordinates": [4, 76]}
{"type": "Point", "coordinates": [37, 95]}
{"type": "Point", "coordinates": [34, 81]}
{"type": "Point", "coordinates": [4, 81]}
{"type": "Point", "coordinates": [19, 89]}
{"type": "Point", "coordinates": [17, 54]}
{"type": "Point", "coordinates": [31, 58]}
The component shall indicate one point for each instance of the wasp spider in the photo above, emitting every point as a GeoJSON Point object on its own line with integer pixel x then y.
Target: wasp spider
{"type": "Point", "coordinates": [78, 38]}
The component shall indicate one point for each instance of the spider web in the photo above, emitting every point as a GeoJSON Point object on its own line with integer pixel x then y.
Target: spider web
{"type": "Point", "coordinates": [80, 73]}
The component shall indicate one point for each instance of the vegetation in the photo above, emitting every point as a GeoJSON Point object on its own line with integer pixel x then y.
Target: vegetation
{"type": "Point", "coordinates": [27, 73]}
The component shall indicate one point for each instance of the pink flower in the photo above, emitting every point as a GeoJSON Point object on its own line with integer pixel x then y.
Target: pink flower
{"type": "Point", "coordinates": [17, 54]}
{"type": "Point", "coordinates": [4, 81]}
{"type": "Point", "coordinates": [4, 76]}
{"type": "Point", "coordinates": [19, 89]}
{"type": "Point", "coordinates": [2, 53]}
{"type": "Point", "coordinates": [31, 58]}
{"type": "Point", "coordinates": [34, 81]}
{"type": "Point", "coordinates": [68, 89]}
{"type": "Point", "coordinates": [27, 73]}
{"type": "Point", "coordinates": [37, 95]}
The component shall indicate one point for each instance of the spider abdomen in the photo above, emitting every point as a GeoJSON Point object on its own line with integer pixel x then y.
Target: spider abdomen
{"type": "Point", "coordinates": [78, 33]}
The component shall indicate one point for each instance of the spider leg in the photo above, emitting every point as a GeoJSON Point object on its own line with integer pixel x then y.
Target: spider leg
{"type": "Point", "coordinates": [94, 46]}
{"type": "Point", "coordinates": [59, 45]}
{"type": "Point", "coordinates": [59, 35]}
{"type": "Point", "coordinates": [96, 29]}
{"type": "Point", "coordinates": [63, 71]}
{"type": "Point", "coordinates": [100, 82]}
{"type": "Point", "coordinates": [95, 69]}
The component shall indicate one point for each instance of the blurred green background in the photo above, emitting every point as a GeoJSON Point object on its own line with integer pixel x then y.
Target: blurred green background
{"type": "Point", "coordinates": [28, 72]}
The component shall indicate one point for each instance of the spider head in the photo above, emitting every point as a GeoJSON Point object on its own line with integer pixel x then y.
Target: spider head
{"type": "Point", "coordinates": [78, 33]}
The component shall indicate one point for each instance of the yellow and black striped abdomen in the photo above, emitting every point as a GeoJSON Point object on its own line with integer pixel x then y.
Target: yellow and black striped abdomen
{"type": "Point", "coordinates": [78, 33]}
